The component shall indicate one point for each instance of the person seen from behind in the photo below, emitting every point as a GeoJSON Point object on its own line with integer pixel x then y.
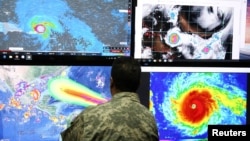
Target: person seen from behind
{"type": "Point", "coordinates": [123, 118]}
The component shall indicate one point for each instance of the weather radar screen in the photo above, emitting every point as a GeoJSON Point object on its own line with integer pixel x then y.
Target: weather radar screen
{"type": "Point", "coordinates": [184, 30]}
{"type": "Point", "coordinates": [184, 104]}
{"type": "Point", "coordinates": [65, 27]}
{"type": "Point", "coordinates": [38, 102]}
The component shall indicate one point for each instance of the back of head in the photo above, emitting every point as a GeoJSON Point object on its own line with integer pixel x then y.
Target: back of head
{"type": "Point", "coordinates": [126, 73]}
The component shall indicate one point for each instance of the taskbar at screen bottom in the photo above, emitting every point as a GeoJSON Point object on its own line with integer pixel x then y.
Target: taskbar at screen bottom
{"type": "Point", "coordinates": [194, 63]}
{"type": "Point", "coordinates": [30, 59]}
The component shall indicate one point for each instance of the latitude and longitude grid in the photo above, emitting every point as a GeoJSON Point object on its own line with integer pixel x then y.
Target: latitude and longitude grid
{"type": "Point", "coordinates": [193, 24]}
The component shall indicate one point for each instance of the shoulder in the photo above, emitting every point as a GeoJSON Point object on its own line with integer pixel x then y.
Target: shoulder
{"type": "Point", "coordinates": [96, 108]}
{"type": "Point", "coordinates": [95, 113]}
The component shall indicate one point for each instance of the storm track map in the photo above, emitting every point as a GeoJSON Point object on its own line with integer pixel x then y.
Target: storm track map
{"type": "Point", "coordinates": [38, 102]}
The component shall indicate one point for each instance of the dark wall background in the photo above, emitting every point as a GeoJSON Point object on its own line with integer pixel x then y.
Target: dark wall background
{"type": "Point", "coordinates": [144, 88]}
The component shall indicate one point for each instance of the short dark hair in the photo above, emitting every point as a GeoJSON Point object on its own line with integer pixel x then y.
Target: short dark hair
{"type": "Point", "coordinates": [126, 73]}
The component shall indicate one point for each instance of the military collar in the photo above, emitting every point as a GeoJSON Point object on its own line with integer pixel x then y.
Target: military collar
{"type": "Point", "coordinates": [130, 95]}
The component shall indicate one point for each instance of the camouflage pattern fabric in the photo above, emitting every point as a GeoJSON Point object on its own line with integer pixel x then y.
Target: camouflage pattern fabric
{"type": "Point", "coordinates": [123, 118]}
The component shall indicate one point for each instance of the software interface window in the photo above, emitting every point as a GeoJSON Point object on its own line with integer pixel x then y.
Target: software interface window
{"type": "Point", "coordinates": [193, 29]}
{"type": "Point", "coordinates": [70, 27]}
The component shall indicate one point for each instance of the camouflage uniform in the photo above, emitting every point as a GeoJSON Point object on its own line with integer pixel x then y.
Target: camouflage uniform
{"type": "Point", "coordinates": [123, 118]}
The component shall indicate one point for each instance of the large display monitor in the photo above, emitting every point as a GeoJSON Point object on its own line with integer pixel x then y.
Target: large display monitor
{"type": "Point", "coordinates": [65, 29]}
{"type": "Point", "coordinates": [185, 102]}
{"type": "Point", "coordinates": [39, 102]}
{"type": "Point", "coordinates": [181, 30]}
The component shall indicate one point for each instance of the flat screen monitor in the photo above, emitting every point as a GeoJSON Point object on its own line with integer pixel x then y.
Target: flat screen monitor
{"type": "Point", "coordinates": [72, 29]}
{"type": "Point", "coordinates": [184, 103]}
{"type": "Point", "coordinates": [190, 30]}
{"type": "Point", "coordinates": [38, 102]}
